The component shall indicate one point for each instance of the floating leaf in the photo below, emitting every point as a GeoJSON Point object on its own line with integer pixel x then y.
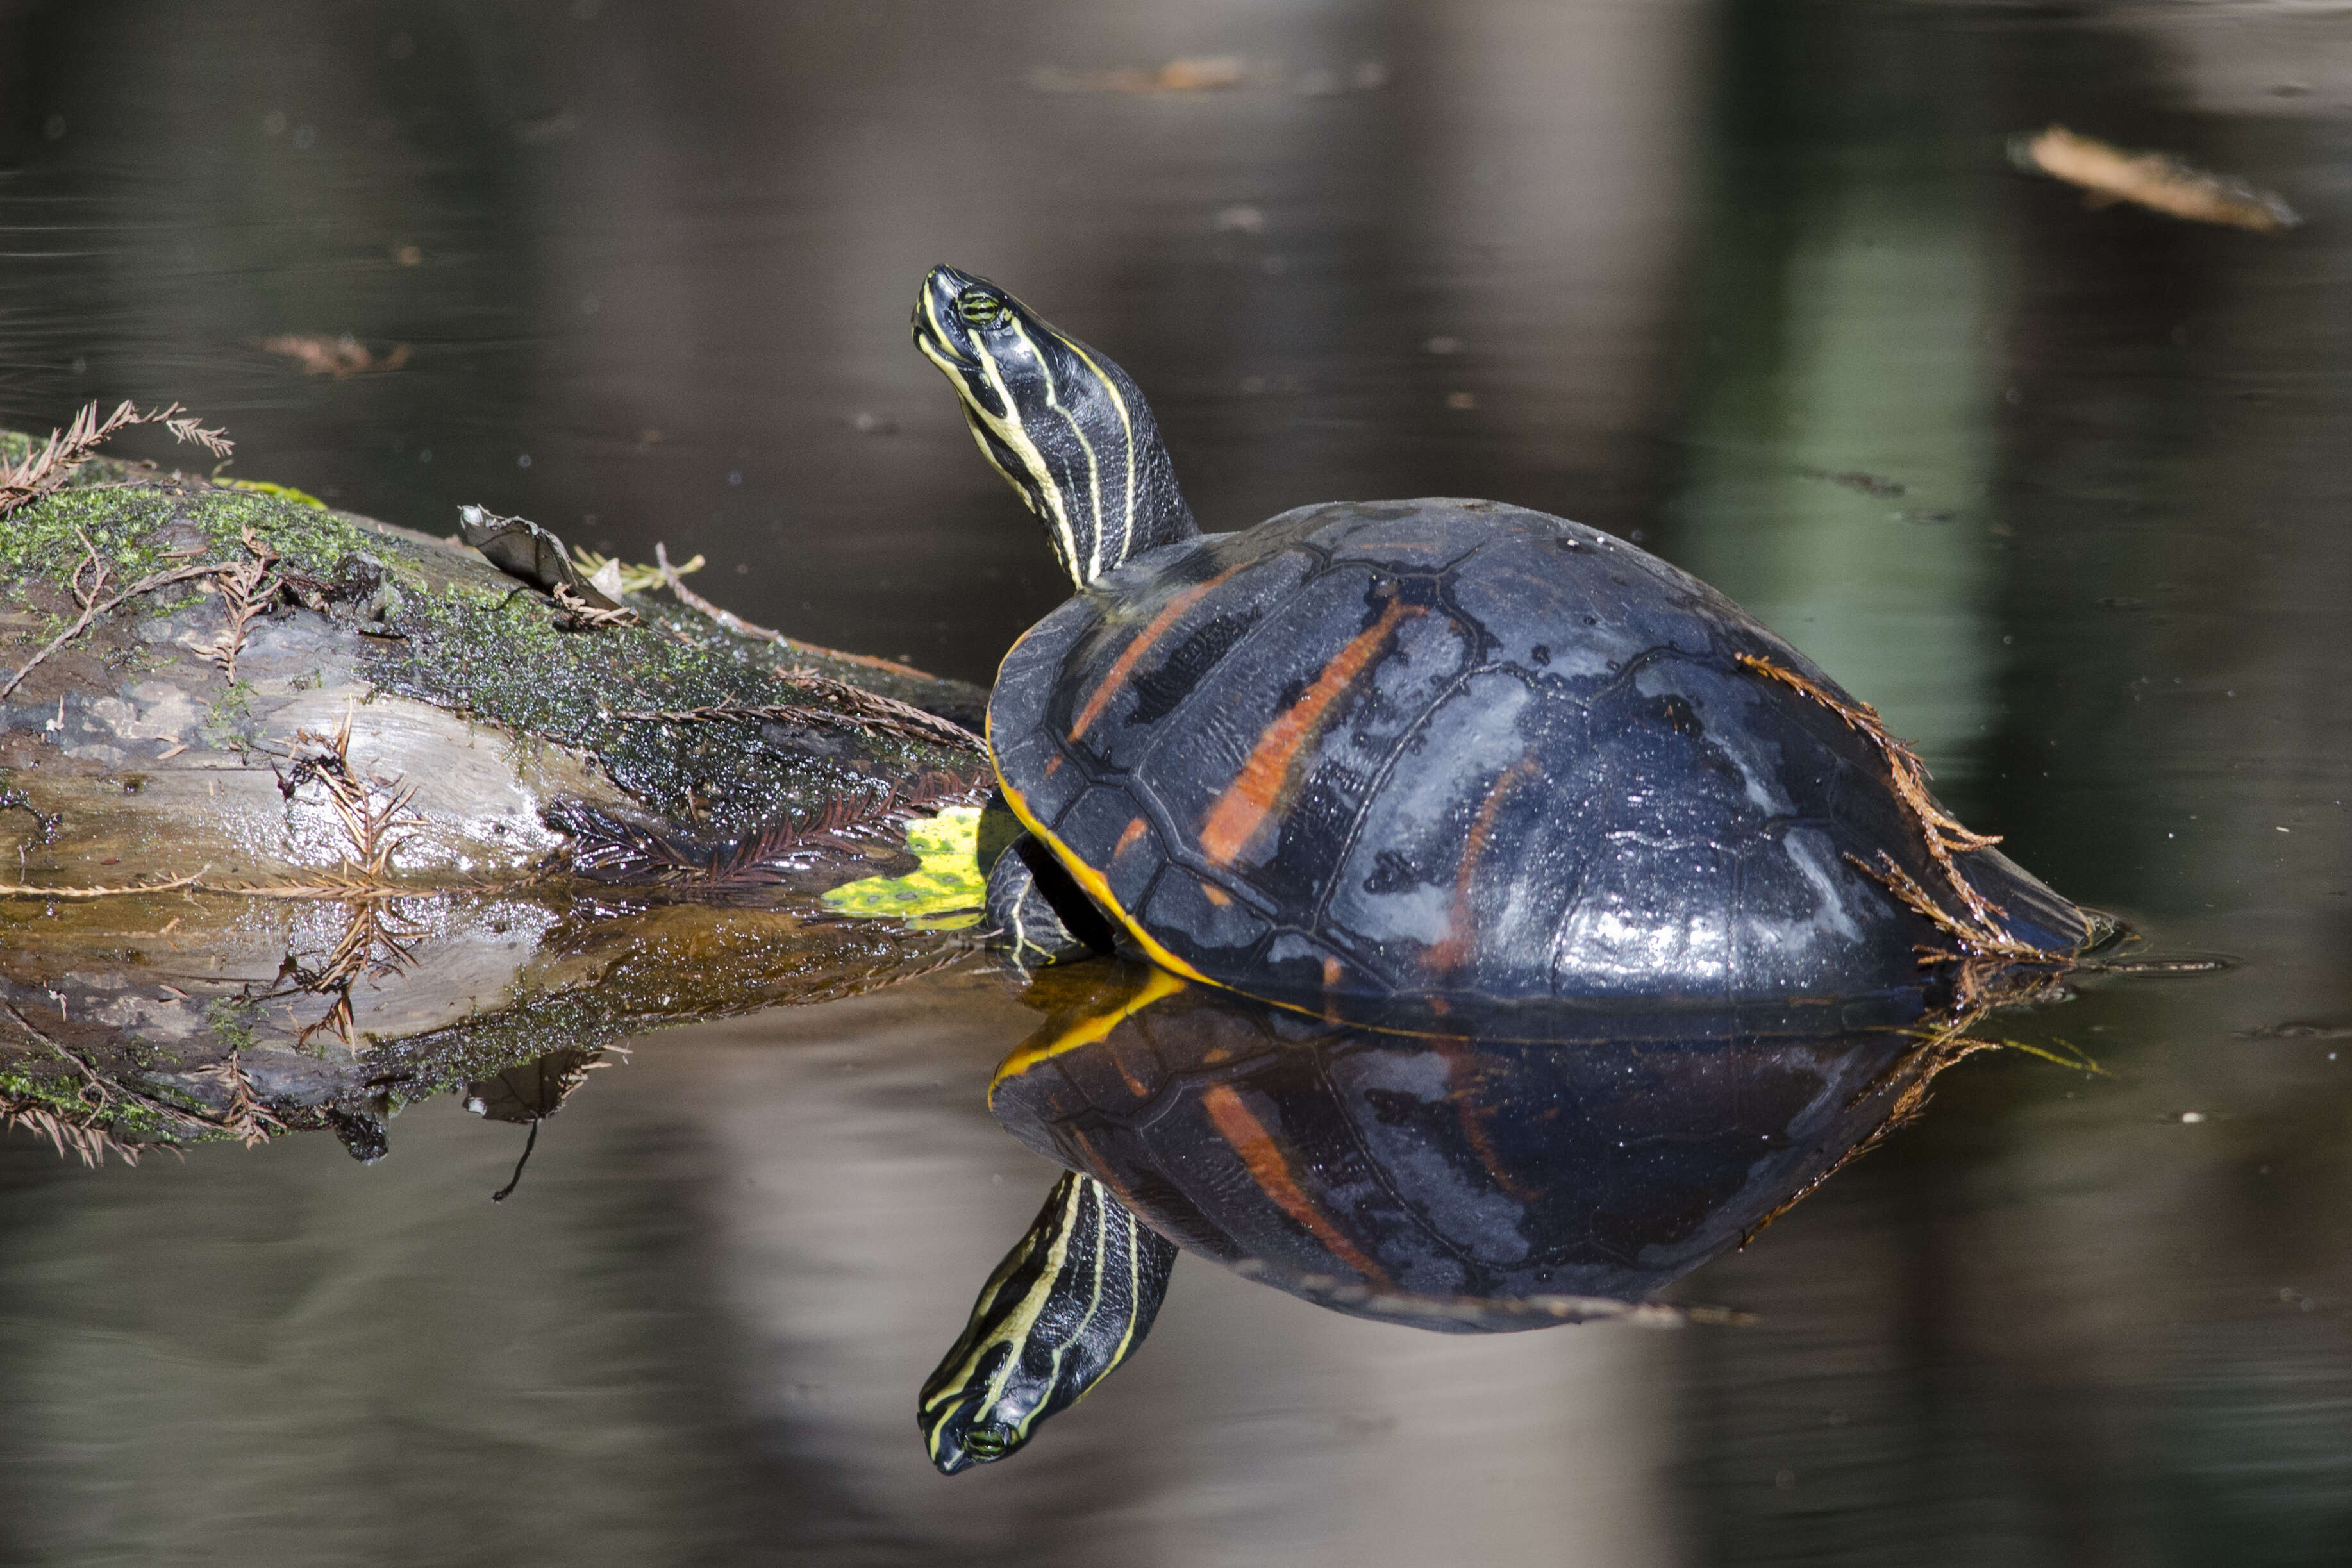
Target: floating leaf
{"type": "Point", "coordinates": [944, 892]}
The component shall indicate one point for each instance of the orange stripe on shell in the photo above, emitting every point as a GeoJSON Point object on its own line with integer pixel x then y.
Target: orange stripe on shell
{"type": "Point", "coordinates": [1461, 922]}
{"type": "Point", "coordinates": [1266, 1166]}
{"type": "Point", "coordinates": [1157, 984]}
{"type": "Point", "coordinates": [1265, 779]}
{"type": "Point", "coordinates": [1121, 668]}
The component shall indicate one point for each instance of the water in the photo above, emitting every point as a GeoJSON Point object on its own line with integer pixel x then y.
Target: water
{"type": "Point", "coordinates": [1658, 266]}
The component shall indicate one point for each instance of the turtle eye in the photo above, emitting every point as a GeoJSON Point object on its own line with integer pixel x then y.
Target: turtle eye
{"type": "Point", "coordinates": [980, 308]}
{"type": "Point", "coordinates": [986, 1443]}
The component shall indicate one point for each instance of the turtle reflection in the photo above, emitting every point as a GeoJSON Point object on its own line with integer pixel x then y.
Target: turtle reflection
{"type": "Point", "coordinates": [1458, 1184]}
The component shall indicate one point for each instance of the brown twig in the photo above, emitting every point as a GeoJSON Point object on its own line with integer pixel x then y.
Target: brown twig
{"type": "Point", "coordinates": [1981, 938]}
{"type": "Point", "coordinates": [324, 887]}
{"type": "Point", "coordinates": [245, 1109]}
{"type": "Point", "coordinates": [247, 1122]}
{"type": "Point", "coordinates": [24, 890]}
{"type": "Point", "coordinates": [1945, 836]}
{"type": "Point", "coordinates": [90, 1141]}
{"type": "Point", "coordinates": [91, 612]}
{"type": "Point", "coordinates": [586, 617]}
{"type": "Point", "coordinates": [887, 712]}
{"type": "Point", "coordinates": [189, 428]}
{"type": "Point", "coordinates": [375, 940]}
{"type": "Point", "coordinates": [369, 808]}
{"type": "Point", "coordinates": [369, 929]}
{"type": "Point", "coordinates": [92, 563]}
{"type": "Point", "coordinates": [339, 888]}
{"type": "Point", "coordinates": [1939, 1048]}
{"type": "Point", "coordinates": [869, 713]}
{"type": "Point", "coordinates": [247, 591]}
{"type": "Point", "coordinates": [47, 470]}
{"type": "Point", "coordinates": [730, 621]}
{"type": "Point", "coordinates": [1981, 980]}
{"type": "Point", "coordinates": [1943, 1043]}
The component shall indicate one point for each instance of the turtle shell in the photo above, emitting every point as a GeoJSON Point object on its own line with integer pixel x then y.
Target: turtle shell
{"type": "Point", "coordinates": [1460, 752]}
{"type": "Point", "coordinates": [1461, 1185]}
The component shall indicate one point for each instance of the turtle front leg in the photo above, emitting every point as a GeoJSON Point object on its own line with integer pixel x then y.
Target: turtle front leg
{"type": "Point", "coordinates": [1039, 914]}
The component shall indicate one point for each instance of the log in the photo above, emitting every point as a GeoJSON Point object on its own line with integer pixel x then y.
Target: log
{"type": "Point", "coordinates": [311, 814]}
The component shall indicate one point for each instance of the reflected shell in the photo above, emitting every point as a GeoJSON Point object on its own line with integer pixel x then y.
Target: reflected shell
{"type": "Point", "coordinates": [1451, 1184]}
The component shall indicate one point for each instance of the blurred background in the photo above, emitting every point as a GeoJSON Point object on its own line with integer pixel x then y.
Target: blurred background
{"type": "Point", "coordinates": [2062, 488]}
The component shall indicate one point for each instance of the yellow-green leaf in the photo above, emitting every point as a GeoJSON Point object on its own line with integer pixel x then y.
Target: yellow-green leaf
{"type": "Point", "coordinates": [944, 893]}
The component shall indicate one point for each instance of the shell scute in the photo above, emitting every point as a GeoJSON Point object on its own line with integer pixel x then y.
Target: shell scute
{"type": "Point", "coordinates": [1275, 743]}
{"type": "Point", "coordinates": [1152, 654]}
{"type": "Point", "coordinates": [1408, 887]}
{"type": "Point", "coordinates": [1097, 822]}
{"type": "Point", "coordinates": [1204, 914]}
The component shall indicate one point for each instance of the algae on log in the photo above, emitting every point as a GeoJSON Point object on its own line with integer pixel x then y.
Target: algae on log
{"type": "Point", "coordinates": [423, 823]}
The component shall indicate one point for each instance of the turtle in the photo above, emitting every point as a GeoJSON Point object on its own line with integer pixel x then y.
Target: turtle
{"type": "Point", "coordinates": [1444, 765]}
{"type": "Point", "coordinates": [1459, 1185]}
{"type": "Point", "coordinates": [1434, 757]}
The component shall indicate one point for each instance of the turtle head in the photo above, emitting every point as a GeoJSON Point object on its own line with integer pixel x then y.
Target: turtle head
{"type": "Point", "coordinates": [1065, 426]}
{"type": "Point", "coordinates": [1068, 1303]}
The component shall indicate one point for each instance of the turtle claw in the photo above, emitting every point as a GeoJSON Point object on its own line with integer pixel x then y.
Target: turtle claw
{"type": "Point", "coordinates": [1033, 926]}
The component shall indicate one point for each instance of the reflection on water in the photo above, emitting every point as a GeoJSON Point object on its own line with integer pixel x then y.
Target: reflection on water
{"type": "Point", "coordinates": [1452, 1182]}
{"type": "Point", "coordinates": [529, 1094]}
{"type": "Point", "coordinates": [1444, 1182]}
{"type": "Point", "coordinates": [1655, 267]}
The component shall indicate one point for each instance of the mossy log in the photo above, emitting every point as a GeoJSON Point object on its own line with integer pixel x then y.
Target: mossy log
{"type": "Point", "coordinates": [399, 822]}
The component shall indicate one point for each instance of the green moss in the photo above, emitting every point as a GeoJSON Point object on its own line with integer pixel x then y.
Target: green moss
{"type": "Point", "coordinates": [228, 723]}
{"type": "Point", "coordinates": [448, 1059]}
{"type": "Point", "coordinates": [17, 1084]}
{"type": "Point", "coordinates": [231, 1022]}
{"type": "Point", "coordinates": [60, 1094]}
{"type": "Point", "coordinates": [133, 526]}
{"type": "Point", "coordinates": [498, 656]}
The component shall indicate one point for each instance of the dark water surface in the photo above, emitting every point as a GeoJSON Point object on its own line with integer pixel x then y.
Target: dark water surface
{"type": "Point", "coordinates": [1669, 268]}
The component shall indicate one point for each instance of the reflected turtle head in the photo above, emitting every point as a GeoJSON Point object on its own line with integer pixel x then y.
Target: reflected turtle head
{"type": "Point", "coordinates": [975, 1429]}
{"type": "Point", "coordinates": [1067, 1305]}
